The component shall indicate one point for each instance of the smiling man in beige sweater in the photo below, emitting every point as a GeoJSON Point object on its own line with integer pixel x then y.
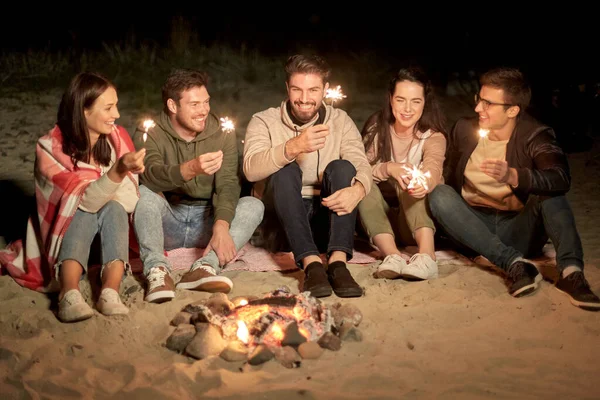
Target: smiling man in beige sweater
{"type": "Point", "coordinates": [317, 170]}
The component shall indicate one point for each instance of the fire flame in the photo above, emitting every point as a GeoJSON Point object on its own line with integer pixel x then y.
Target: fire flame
{"type": "Point", "coordinates": [249, 315]}
{"type": "Point", "coordinates": [242, 332]}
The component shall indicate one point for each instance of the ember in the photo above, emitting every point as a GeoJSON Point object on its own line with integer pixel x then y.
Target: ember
{"type": "Point", "coordinates": [280, 324]}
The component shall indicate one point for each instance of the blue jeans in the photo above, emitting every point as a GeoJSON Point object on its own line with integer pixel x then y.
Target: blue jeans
{"type": "Point", "coordinates": [309, 226]}
{"type": "Point", "coordinates": [111, 222]}
{"type": "Point", "coordinates": [503, 236]}
{"type": "Point", "coordinates": [161, 226]}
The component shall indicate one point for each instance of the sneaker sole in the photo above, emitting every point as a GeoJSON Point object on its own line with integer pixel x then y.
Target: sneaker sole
{"type": "Point", "coordinates": [82, 317]}
{"type": "Point", "coordinates": [528, 289]}
{"type": "Point", "coordinates": [160, 297]}
{"type": "Point", "coordinates": [213, 284]}
{"type": "Point", "coordinates": [418, 277]}
{"type": "Point", "coordinates": [387, 274]}
{"type": "Point", "coordinates": [581, 304]}
{"type": "Point", "coordinates": [115, 310]}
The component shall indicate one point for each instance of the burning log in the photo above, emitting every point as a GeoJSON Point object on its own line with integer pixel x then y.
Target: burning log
{"type": "Point", "coordinates": [280, 324]}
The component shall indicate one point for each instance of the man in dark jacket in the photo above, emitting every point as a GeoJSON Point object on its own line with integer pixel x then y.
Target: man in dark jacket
{"type": "Point", "coordinates": [506, 180]}
{"type": "Point", "coordinates": [190, 191]}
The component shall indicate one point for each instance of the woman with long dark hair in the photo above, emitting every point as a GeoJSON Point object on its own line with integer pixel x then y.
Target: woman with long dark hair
{"type": "Point", "coordinates": [86, 185]}
{"type": "Point", "coordinates": [406, 145]}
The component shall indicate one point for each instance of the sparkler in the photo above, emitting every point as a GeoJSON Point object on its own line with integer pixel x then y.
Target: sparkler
{"type": "Point", "coordinates": [483, 133]}
{"type": "Point", "coordinates": [417, 177]}
{"type": "Point", "coordinates": [335, 94]}
{"type": "Point", "coordinates": [147, 125]}
{"type": "Point", "coordinates": [227, 125]}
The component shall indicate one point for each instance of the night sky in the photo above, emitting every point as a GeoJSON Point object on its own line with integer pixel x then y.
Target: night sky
{"type": "Point", "coordinates": [557, 47]}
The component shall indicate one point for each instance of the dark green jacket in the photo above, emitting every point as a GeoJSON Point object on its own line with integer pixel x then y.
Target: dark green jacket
{"type": "Point", "coordinates": [166, 151]}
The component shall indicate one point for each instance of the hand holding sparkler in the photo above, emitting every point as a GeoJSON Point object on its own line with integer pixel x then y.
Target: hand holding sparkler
{"type": "Point", "coordinates": [418, 179]}
{"type": "Point", "coordinates": [311, 139]}
{"type": "Point", "coordinates": [335, 94]}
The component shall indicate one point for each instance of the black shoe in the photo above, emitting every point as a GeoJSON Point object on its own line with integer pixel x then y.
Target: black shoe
{"type": "Point", "coordinates": [578, 289]}
{"type": "Point", "coordinates": [342, 282]}
{"type": "Point", "coordinates": [315, 280]}
{"type": "Point", "coordinates": [525, 278]}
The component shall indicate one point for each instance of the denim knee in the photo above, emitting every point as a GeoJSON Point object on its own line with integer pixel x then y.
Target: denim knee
{"type": "Point", "coordinates": [339, 170]}
{"type": "Point", "coordinates": [440, 199]}
{"type": "Point", "coordinates": [253, 209]}
{"type": "Point", "coordinates": [149, 198]}
{"type": "Point", "coordinates": [115, 211]}
{"type": "Point", "coordinates": [286, 175]}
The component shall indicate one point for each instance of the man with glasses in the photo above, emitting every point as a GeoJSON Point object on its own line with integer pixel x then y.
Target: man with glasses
{"type": "Point", "coordinates": [506, 179]}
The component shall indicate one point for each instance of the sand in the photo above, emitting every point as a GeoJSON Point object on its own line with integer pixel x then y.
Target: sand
{"type": "Point", "coordinates": [459, 336]}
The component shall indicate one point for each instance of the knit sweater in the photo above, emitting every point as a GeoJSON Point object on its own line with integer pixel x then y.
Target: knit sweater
{"type": "Point", "coordinates": [268, 132]}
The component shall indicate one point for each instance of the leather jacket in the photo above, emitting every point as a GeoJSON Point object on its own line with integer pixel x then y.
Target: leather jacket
{"type": "Point", "coordinates": [532, 150]}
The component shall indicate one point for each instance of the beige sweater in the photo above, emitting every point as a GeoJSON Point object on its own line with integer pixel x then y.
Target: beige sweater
{"type": "Point", "coordinates": [269, 130]}
{"type": "Point", "coordinates": [102, 190]}
{"type": "Point", "coordinates": [428, 149]}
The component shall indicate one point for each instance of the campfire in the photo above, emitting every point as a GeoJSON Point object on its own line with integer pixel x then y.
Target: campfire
{"type": "Point", "coordinates": [282, 325]}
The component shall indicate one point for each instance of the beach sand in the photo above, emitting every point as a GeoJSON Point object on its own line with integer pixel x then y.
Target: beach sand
{"type": "Point", "coordinates": [459, 336]}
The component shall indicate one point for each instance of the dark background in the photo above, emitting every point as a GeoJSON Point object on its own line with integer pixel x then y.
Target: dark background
{"type": "Point", "coordinates": [553, 46]}
{"type": "Point", "coordinates": [556, 48]}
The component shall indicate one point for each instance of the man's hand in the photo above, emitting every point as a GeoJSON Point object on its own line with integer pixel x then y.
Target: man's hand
{"type": "Point", "coordinates": [129, 162]}
{"type": "Point", "coordinates": [345, 200]}
{"type": "Point", "coordinates": [205, 164]}
{"type": "Point", "coordinates": [399, 173]}
{"type": "Point", "coordinates": [311, 139]}
{"type": "Point", "coordinates": [499, 170]}
{"type": "Point", "coordinates": [222, 243]}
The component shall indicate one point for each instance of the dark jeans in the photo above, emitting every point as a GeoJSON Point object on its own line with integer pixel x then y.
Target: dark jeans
{"type": "Point", "coordinates": [310, 227]}
{"type": "Point", "coordinates": [502, 236]}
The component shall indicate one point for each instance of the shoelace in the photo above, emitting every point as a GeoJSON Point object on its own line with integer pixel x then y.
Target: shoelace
{"type": "Point", "coordinates": [417, 257]}
{"type": "Point", "coordinates": [207, 268]}
{"type": "Point", "coordinates": [157, 278]}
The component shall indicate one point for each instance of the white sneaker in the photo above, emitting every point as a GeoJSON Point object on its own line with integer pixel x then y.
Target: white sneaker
{"type": "Point", "coordinates": [73, 308]}
{"type": "Point", "coordinates": [391, 267]}
{"type": "Point", "coordinates": [421, 266]}
{"type": "Point", "coordinates": [110, 303]}
{"type": "Point", "coordinates": [204, 278]}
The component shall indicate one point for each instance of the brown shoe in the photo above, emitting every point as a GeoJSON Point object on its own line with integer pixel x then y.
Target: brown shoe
{"type": "Point", "coordinates": [205, 279]}
{"type": "Point", "coordinates": [161, 287]}
{"type": "Point", "coordinates": [315, 280]}
{"type": "Point", "coordinates": [341, 280]}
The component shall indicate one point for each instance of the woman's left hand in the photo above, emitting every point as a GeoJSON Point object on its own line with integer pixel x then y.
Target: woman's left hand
{"type": "Point", "coordinates": [418, 191]}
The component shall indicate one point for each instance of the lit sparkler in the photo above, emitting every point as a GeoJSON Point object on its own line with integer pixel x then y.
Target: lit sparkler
{"type": "Point", "coordinates": [227, 125]}
{"type": "Point", "coordinates": [483, 133]}
{"type": "Point", "coordinates": [147, 125]}
{"type": "Point", "coordinates": [335, 94]}
{"type": "Point", "coordinates": [417, 177]}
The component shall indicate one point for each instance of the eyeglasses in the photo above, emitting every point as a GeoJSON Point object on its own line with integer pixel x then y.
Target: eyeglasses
{"type": "Point", "coordinates": [485, 104]}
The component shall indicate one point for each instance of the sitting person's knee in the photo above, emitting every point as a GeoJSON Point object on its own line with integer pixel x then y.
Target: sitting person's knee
{"type": "Point", "coordinates": [286, 174]}
{"type": "Point", "coordinates": [341, 169]}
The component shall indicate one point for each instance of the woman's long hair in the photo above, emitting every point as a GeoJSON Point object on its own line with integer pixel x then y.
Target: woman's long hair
{"type": "Point", "coordinates": [377, 126]}
{"type": "Point", "coordinates": [83, 90]}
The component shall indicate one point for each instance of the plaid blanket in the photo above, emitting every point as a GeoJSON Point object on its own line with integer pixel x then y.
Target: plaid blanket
{"type": "Point", "coordinates": [59, 188]}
